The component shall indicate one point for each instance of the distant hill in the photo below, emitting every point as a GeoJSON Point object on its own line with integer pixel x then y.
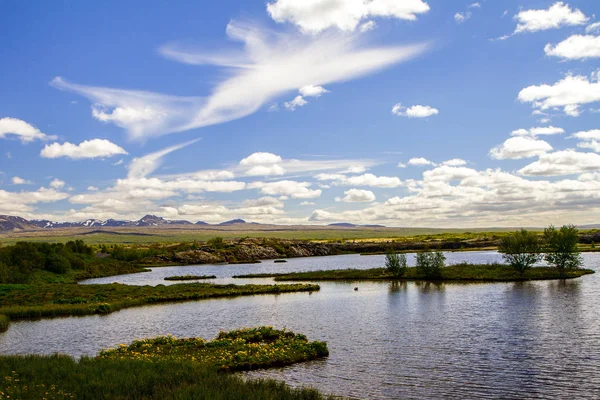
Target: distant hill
{"type": "Point", "coordinates": [233, 222]}
{"type": "Point", "coordinates": [350, 225]}
{"type": "Point", "coordinates": [589, 226]}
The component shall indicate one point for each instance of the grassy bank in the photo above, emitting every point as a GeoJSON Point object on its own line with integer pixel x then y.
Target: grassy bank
{"type": "Point", "coordinates": [189, 277]}
{"type": "Point", "coordinates": [459, 272]}
{"type": "Point", "coordinates": [4, 322]}
{"type": "Point", "coordinates": [165, 368]}
{"type": "Point", "coordinates": [37, 301]}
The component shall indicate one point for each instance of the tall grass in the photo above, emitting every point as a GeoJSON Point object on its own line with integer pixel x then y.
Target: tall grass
{"type": "Point", "coordinates": [61, 377]}
{"type": "Point", "coordinates": [4, 322]}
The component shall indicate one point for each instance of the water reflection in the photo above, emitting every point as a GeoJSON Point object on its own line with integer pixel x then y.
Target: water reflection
{"type": "Point", "coordinates": [388, 339]}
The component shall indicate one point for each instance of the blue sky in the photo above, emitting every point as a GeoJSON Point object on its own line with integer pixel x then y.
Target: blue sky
{"type": "Point", "coordinates": [395, 112]}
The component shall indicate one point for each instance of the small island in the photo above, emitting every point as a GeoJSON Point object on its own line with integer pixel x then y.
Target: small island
{"type": "Point", "coordinates": [189, 277]}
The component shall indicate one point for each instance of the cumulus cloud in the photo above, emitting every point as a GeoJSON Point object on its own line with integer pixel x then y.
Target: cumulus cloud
{"type": "Point", "coordinates": [593, 28]}
{"type": "Point", "coordinates": [593, 134]}
{"type": "Point", "coordinates": [419, 161]}
{"type": "Point", "coordinates": [315, 16]}
{"type": "Point", "coordinates": [416, 111]}
{"type": "Point", "coordinates": [260, 158]}
{"type": "Point", "coordinates": [20, 203]}
{"type": "Point", "coordinates": [293, 189]}
{"type": "Point", "coordinates": [367, 26]}
{"type": "Point", "coordinates": [57, 183]}
{"type": "Point", "coordinates": [541, 130]}
{"type": "Point", "coordinates": [566, 162]}
{"type": "Point", "coordinates": [269, 65]}
{"type": "Point", "coordinates": [361, 180]}
{"type": "Point", "coordinates": [575, 47]}
{"type": "Point", "coordinates": [520, 147]}
{"type": "Point", "coordinates": [313, 91]}
{"type": "Point", "coordinates": [20, 181]}
{"type": "Point", "coordinates": [558, 15]}
{"type": "Point", "coordinates": [298, 101]}
{"type": "Point", "coordinates": [569, 93]}
{"type": "Point", "coordinates": [358, 196]}
{"type": "Point", "coordinates": [455, 162]}
{"type": "Point", "coordinates": [22, 130]}
{"type": "Point", "coordinates": [95, 148]}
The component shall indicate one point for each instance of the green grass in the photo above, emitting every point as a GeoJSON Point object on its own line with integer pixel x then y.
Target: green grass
{"type": "Point", "coordinates": [39, 301]}
{"type": "Point", "coordinates": [238, 350]}
{"type": "Point", "coordinates": [166, 368]}
{"type": "Point", "coordinates": [4, 322]}
{"type": "Point", "coordinates": [460, 272]}
{"type": "Point", "coordinates": [189, 277]}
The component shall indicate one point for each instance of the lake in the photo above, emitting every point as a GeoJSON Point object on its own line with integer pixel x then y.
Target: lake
{"type": "Point", "coordinates": [387, 340]}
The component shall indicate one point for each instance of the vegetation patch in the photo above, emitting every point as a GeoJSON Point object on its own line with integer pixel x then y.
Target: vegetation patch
{"type": "Point", "coordinates": [37, 301]}
{"type": "Point", "coordinates": [166, 368]}
{"type": "Point", "coordinates": [4, 322]}
{"type": "Point", "coordinates": [189, 277]}
{"type": "Point", "coordinates": [459, 272]}
{"type": "Point", "coordinates": [243, 349]}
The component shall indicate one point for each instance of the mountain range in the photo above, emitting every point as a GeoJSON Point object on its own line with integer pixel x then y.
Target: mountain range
{"type": "Point", "coordinates": [10, 223]}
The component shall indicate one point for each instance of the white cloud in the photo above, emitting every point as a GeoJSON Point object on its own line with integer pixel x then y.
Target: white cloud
{"type": "Point", "coordinates": [419, 161]}
{"type": "Point", "coordinates": [358, 196]}
{"type": "Point", "coordinates": [367, 26]}
{"type": "Point", "coordinates": [416, 111]}
{"type": "Point", "coordinates": [355, 169]}
{"type": "Point", "coordinates": [569, 93]}
{"type": "Point", "coordinates": [541, 130]}
{"type": "Point", "coordinates": [307, 203]}
{"type": "Point", "coordinates": [593, 28]}
{"type": "Point", "coordinates": [20, 181]}
{"type": "Point", "coordinates": [461, 17]}
{"type": "Point", "coordinates": [557, 16]}
{"type": "Point", "coordinates": [57, 183]}
{"type": "Point", "coordinates": [95, 148]}
{"type": "Point", "coordinates": [263, 170]}
{"type": "Point", "coordinates": [475, 5]}
{"type": "Point", "coordinates": [566, 162]}
{"type": "Point", "coordinates": [261, 158]}
{"type": "Point", "coordinates": [520, 147]}
{"type": "Point", "coordinates": [455, 162]}
{"type": "Point", "coordinates": [575, 47]}
{"type": "Point", "coordinates": [19, 203]}
{"type": "Point", "coordinates": [593, 134]}
{"type": "Point", "coordinates": [92, 189]}
{"type": "Point", "coordinates": [401, 165]}
{"type": "Point", "coordinates": [593, 145]}
{"type": "Point", "coordinates": [313, 91]}
{"type": "Point", "coordinates": [293, 189]}
{"type": "Point", "coordinates": [143, 166]}
{"type": "Point", "coordinates": [21, 129]}
{"type": "Point", "coordinates": [361, 180]}
{"type": "Point", "coordinates": [270, 65]}
{"type": "Point", "coordinates": [298, 101]}
{"type": "Point", "coordinates": [314, 16]}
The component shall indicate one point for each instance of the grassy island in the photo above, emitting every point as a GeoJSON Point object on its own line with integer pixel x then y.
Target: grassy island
{"type": "Point", "coordinates": [189, 277]}
{"type": "Point", "coordinates": [459, 272]}
{"type": "Point", "coordinates": [36, 301]}
{"type": "Point", "coordinates": [166, 368]}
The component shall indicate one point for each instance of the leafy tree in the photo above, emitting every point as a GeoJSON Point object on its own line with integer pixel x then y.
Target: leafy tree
{"type": "Point", "coordinates": [57, 264]}
{"type": "Point", "coordinates": [561, 247]}
{"type": "Point", "coordinates": [521, 249]}
{"type": "Point", "coordinates": [395, 263]}
{"type": "Point", "coordinates": [430, 264]}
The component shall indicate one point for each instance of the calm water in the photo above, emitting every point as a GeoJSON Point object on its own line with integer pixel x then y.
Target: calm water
{"type": "Point", "coordinates": [505, 340]}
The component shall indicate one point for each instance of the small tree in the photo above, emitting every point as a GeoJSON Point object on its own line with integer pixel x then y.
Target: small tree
{"type": "Point", "coordinates": [395, 263]}
{"type": "Point", "coordinates": [430, 264]}
{"type": "Point", "coordinates": [561, 247]}
{"type": "Point", "coordinates": [521, 249]}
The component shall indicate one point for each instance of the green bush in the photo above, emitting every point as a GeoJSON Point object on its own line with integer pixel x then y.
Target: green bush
{"type": "Point", "coordinates": [520, 249]}
{"type": "Point", "coordinates": [561, 247]}
{"type": "Point", "coordinates": [430, 264]}
{"type": "Point", "coordinates": [395, 263]}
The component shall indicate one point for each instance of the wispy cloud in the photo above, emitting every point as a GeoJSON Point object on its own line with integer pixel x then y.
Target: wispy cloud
{"type": "Point", "coordinates": [269, 65]}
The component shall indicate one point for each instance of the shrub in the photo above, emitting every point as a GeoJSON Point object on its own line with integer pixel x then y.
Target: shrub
{"type": "Point", "coordinates": [216, 243]}
{"type": "Point", "coordinates": [430, 264]}
{"type": "Point", "coordinates": [561, 247]}
{"type": "Point", "coordinates": [395, 263]}
{"type": "Point", "coordinates": [520, 249]}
